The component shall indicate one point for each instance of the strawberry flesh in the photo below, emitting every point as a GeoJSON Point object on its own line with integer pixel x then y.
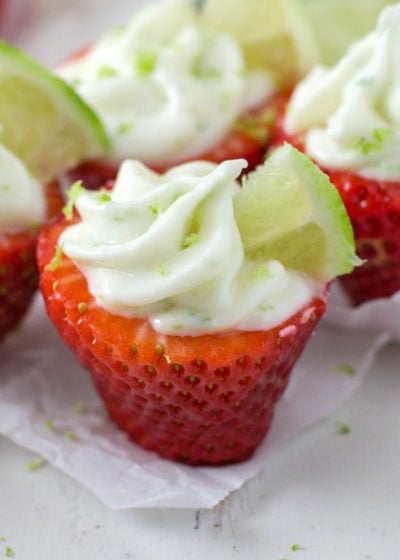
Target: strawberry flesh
{"type": "Point", "coordinates": [206, 399]}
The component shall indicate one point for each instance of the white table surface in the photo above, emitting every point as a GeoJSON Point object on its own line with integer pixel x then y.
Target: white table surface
{"type": "Point", "coordinates": [336, 496]}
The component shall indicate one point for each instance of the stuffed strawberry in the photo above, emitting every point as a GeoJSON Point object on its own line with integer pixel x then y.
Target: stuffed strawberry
{"type": "Point", "coordinates": [346, 120]}
{"type": "Point", "coordinates": [171, 89]}
{"type": "Point", "coordinates": [188, 313]}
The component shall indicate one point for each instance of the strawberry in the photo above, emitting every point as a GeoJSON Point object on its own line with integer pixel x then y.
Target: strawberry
{"type": "Point", "coordinates": [206, 399]}
{"type": "Point", "coordinates": [248, 139]}
{"type": "Point", "coordinates": [374, 210]}
{"type": "Point", "coordinates": [18, 269]}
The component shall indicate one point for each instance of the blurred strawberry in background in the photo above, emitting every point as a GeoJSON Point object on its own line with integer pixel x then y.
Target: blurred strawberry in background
{"type": "Point", "coordinates": [12, 15]}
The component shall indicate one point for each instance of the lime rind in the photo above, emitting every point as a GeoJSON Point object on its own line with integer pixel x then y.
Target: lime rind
{"type": "Point", "coordinates": [288, 210]}
{"type": "Point", "coordinates": [42, 119]}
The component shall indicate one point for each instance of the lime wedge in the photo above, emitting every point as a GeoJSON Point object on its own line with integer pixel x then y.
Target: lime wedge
{"type": "Point", "coordinates": [338, 23]}
{"type": "Point", "coordinates": [289, 211]}
{"type": "Point", "coordinates": [275, 35]}
{"type": "Point", "coordinates": [42, 120]}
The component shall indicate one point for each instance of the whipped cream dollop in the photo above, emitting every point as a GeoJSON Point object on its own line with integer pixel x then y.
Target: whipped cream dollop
{"type": "Point", "coordinates": [350, 114]}
{"type": "Point", "coordinates": [22, 201]}
{"type": "Point", "coordinates": [167, 247]}
{"type": "Point", "coordinates": [166, 88]}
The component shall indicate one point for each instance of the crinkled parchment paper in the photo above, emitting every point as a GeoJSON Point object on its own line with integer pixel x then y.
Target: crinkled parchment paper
{"type": "Point", "coordinates": [48, 404]}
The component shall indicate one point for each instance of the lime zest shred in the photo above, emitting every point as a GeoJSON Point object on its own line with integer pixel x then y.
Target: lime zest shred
{"type": "Point", "coordinates": [374, 144]}
{"type": "Point", "coordinates": [161, 270]}
{"type": "Point", "coordinates": [155, 207]}
{"type": "Point", "coordinates": [103, 197]}
{"type": "Point", "coordinates": [55, 262]}
{"type": "Point", "coordinates": [73, 193]}
{"type": "Point", "coordinates": [106, 71]}
{"type": "Point", "coordinates": [124, 128]}
{"type": "Point", "coordinates": [9, 552]}
{"type": "Point", "coordinates": [343, 428]}
{"type": "Point", "coordinates": [70, 435]}
{"type": "Point", "coordinates": [36, 463]}
{"type": "Point", "coordinates": [190, 240]}
{"type": "Point", "coordinates": [50, 425]}
{"type": "Point", "coordinates": [346, 368]}
{"type": "Point", "coordinates": [145, 62]}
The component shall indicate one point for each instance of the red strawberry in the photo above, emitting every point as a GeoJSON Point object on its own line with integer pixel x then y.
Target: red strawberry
{"type": "Point", "coordinates": [248, 139]}
{"type": "Point", "coordinates": [206, 399]}
{"type": "Point", "coordinates": [374, 210]}
{"type": "Point", "coordinates": [18, 269]}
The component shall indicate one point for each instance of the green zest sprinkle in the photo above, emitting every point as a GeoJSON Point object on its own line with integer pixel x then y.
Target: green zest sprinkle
{"type": "Point", "coordinates": [155, 208]}
{"type": "Point", "coordinates": [103, 197]}
{"type": "Point", "coordinates": [56, 260]}
{"type": "Point", "coordinates": [73, 193]}
{"type": "Point", "coordinates": [379, 137]}
{"type": "Point", "coordinates": [161, 270]}
{"type": "Point", "coordinates": [50, 424]}
{"type": "Point", "coordinates": [36, 463]}
{"type": "Point", "coordinates": [345, 368]}
{"type": "Point", "coordinates": [190, 240]}
{"type": "Point", "coordinates": [70, 435]}
{"type": "Point", "coordinates": [124, 128]}
{"type": "Point", "coordinates": [106, 71]}
{"type": "Point", "coordinates": [343, 428]}
{"type": "Point", "coordinates": [296, 547]}
{"type": "Point", "coordinates": [145, 63]}
{"type": "Point", "coordinates": [263, 271]}
{"type": "Point", "coordinates": [9, 552]}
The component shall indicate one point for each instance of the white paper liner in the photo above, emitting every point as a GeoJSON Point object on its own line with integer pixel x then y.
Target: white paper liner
{"type": "Point", "coordinates": [41, 380]}
{"type": "Point", "coordinates": [376, 316]}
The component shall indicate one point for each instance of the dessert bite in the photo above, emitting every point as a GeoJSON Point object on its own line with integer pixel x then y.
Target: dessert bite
{"type": "Point", "coordinates": [189, 298]}
{"type": "Point", "coordinates": [347, 119]}
{"type": "Point", "coordinates": [173, 85]}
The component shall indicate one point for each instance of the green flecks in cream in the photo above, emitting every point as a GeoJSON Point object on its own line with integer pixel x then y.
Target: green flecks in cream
{"type": "Point", "coordinates": [190, 240]}
{"type": "Point", "coordinates": [263, 271]}
{"type": "Point", "coordinates": [106, 71]}
{"type": "Point", "coordinates": [73, 193]}
{"type": "Point", "coordinates": [124, 127]}
{"type": "Point", "coordinates": [103, 197]}
{"type": "Point", "coordinates": [155, 207]}
{"type": "Point", "coordinates": [6, 188]}
{"type": "Point", "coordinates": [144, 63]}
{"type": "Point", "coordinates": [55, 262]}
{"type": "Point", "coordinates": [161, 270]}
{"type": "Point", "coordinates": [376, 141]}
{"type": "Point", "coordinates": [9, 552]}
